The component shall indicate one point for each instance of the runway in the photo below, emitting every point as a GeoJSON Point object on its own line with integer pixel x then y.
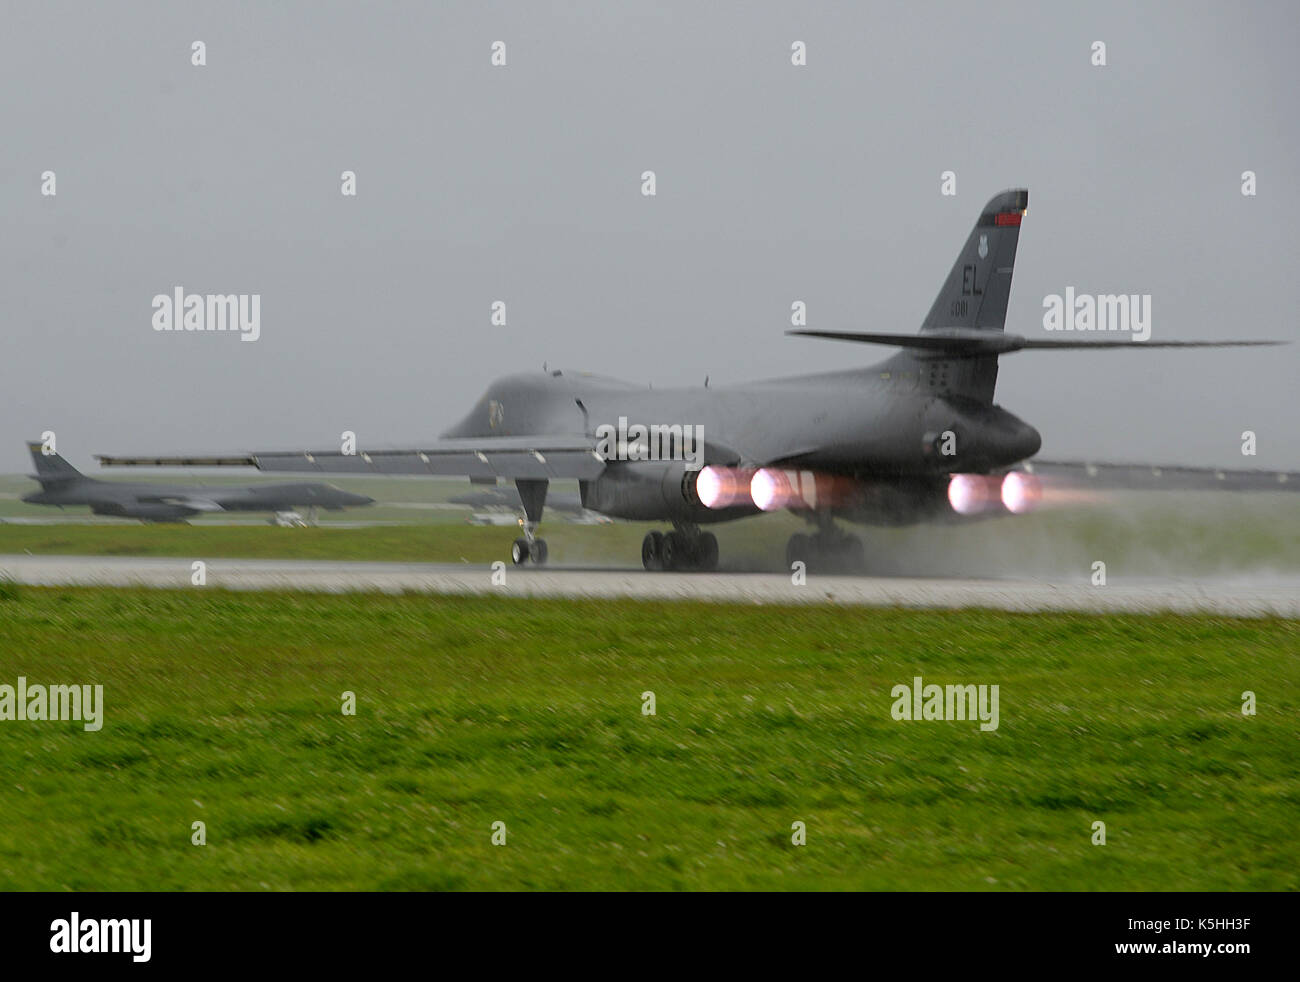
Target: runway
{"type": "Point", "coordinates": [1237, 597]}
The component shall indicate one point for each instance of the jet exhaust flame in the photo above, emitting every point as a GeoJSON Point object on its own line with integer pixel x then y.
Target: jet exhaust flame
{"type": "Point", "coordinates": [772, 489]}
{"type": "Point", "coordinates": [1017, 492]}
{"type": "Point", "coordinates": [968, 493]}
{"type": "Point", "coordinates": [717, 487]}
{"type": "Point", "coordinates": [769, 489]}
{"type": "Point", "coordinates": [1021, 492]}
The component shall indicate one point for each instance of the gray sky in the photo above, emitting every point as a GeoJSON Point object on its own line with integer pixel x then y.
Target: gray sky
{"type": "Point", "coordinates": [522, 184]}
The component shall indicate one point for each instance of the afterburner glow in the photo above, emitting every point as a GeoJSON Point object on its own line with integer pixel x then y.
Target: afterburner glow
{"type": "Point", "coordinates": [715, 488]}
{"type": "Point", "coordinates": [768, 489]}
{"type": "Point", "coordinates": [967, 493]}
{"type": "Point", "coordinates": [1020, 492]}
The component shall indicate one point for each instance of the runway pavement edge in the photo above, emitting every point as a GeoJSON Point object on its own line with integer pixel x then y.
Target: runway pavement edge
{"type": "Point", "coordinates": [1248, 598]}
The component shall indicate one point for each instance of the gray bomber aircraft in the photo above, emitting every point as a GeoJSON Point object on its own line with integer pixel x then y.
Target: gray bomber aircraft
{"type": "Point", "coordinates": [509, 498]}
{"type": "Point", "coordinates": [62, 484]}
{"type": "Point", "coordinates": [915, 438]}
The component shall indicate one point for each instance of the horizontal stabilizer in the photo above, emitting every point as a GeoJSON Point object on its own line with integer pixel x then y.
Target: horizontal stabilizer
{"type": "Point", "coordinates": [1049, 345]}
{"type": "Point", "coordinates": [959, 342]}
{"type": "Point", "coordinates": [1142, 477]}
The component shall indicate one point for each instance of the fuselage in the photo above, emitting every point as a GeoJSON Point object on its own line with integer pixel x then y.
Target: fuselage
{"type": "Point", "coordinates": [886, 438]}
{"type": "Point", "coordinates": [881, 421]}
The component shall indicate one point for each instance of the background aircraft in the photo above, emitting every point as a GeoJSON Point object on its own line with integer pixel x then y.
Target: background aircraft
{"type": "Point", "coordinates": [62, 485]}
{"type": "Point", "coordinates": [508, 497]}
{"type": "Point", "coordinates": [915, 438]}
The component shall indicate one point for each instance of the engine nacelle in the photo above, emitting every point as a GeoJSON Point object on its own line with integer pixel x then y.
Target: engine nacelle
{"type": "Point", "coordinates": [654, 491]}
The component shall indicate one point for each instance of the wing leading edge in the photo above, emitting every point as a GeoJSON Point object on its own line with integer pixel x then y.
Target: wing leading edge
{"type": "Point", "coordinates": [513, 458]}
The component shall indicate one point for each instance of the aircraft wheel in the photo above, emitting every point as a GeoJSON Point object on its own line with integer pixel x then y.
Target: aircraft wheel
{"type": "Point", "coordinates": [672, 555]}
{"type": "Point", "coordinates": [519, 552]}
{"type": "Point", "coordinates": [538, 552]}
{"type": "Point", "coordinates": [707, 558]}
{"type": "Point", "coordinates": [652, 551]}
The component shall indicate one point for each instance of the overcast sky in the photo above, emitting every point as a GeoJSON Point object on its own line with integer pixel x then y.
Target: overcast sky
{"type": "Point", "coordinates": [523, 184]}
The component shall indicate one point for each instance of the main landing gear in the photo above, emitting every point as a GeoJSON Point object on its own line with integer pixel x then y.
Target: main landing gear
{"type": "Point", "coordinates": [533, 495]}
{"type": "Point", "coordinates": [686, 547]}
{"type": "Point", "coordinates": [828, 550]}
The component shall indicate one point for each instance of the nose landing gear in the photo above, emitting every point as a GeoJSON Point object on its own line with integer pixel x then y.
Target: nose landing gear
{"type": "Point", "coordinates": [533, 495]}
{"type": "Point", "coordinates": [528, 547]}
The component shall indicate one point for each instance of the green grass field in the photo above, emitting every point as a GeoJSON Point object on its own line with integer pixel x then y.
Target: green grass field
{"type": "Point", "coordinates": [225, 708]}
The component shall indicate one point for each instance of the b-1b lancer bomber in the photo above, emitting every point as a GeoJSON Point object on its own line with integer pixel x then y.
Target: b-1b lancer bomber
{"type": "Point", "coordinates": [64, 485]}
{"type": "Point", "coordinates": [915, 438]}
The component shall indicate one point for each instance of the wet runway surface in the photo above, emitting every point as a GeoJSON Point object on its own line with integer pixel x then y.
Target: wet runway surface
{"type": "Point", "coordinates": [1235, 596]}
